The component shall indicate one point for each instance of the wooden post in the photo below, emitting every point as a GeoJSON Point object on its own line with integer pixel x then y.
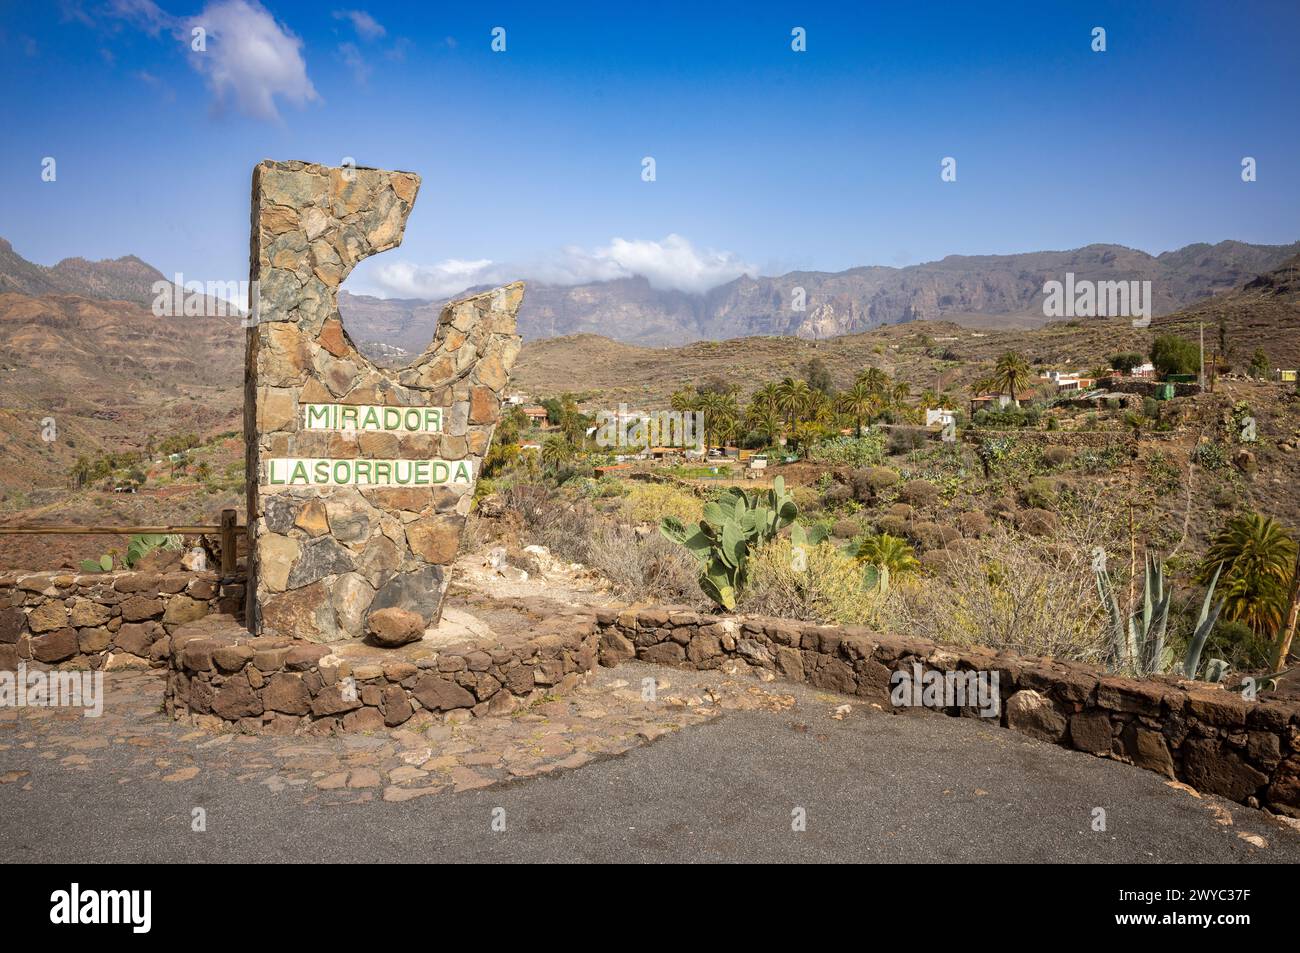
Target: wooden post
{"type": "Point", "coordinates": [228, 542]}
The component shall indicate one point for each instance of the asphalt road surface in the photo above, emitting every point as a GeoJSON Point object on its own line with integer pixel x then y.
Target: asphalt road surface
{"type": "Point", "coordinates": [874, 787]}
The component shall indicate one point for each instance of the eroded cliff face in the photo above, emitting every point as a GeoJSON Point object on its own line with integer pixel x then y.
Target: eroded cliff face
{"type": "Point", "coordinates": [987, 289]}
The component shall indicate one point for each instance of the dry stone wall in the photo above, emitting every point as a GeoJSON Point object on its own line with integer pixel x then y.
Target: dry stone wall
{"type": "Point", "coordinates": [1208, 737]}
{"type": "Point", "coordinates": [105, 620]}
{"type": "Point", "coordinates": [221, 676]}
{"type": "Point", "coordinates": [359, 477]}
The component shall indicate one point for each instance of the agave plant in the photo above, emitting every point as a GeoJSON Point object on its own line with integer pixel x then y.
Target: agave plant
{"type": "Point", "coordinates": [1138, 643]}
{"type": "Point", "coordinates": [733, 526]}
{"type": "Point", "coordinates": [1215, 669]}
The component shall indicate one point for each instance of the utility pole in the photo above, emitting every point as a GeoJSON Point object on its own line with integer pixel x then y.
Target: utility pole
{"type": "Point", "coordinates": [1292, 614]}
{"type": "Point", "coordinates": [1201, 376]}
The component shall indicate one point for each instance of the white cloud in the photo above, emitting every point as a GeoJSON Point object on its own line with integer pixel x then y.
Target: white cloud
{"type": "Point", "coordinates": [403, 279]}
{"type": "Point", "coordinates": [367, 27]}
{"type": "Point", "coordinates": [355, 62]}
{"type": "Point", "coordinates": [145, 14]}
{"type": "Point", "coordinates": [250, 58]}
{"type": "Point", "coordinates": [672, 264]}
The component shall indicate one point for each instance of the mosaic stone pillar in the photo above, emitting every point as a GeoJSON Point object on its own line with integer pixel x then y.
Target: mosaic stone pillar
{"type": "Point", "coordinates": [359, 478]}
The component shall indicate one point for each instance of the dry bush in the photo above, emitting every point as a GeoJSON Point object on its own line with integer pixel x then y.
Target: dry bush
{"type": "Point", "coordinates": [868, 483]}
{"type": "Point", "coordinates": [828, 589]}
{"type": "Point", "coordinates": [974, 523]}
{"type": "Point", "coordinates": [933, 535]}
{"type": "Point", "coordinates": [1030, 595]}
{"type": "Point", "coordinates": [1057, 456]}
{"type": "Point", "coordinates": [1038, 522]}
{"type": "Point", "coordinates": [893, 525]}
{"type": "Point", "coordinates": [920, 493]}
{"type": "Point", "coordinates": [839, 493]}
{"type": "Point", "coordinates": [650, 502]}
{"type": "Point", "coordinates": [846, 529]}
{"type": "Point", "coordinates": [903, 511]}
{"type": "Point", "coordinates": [640, 565]}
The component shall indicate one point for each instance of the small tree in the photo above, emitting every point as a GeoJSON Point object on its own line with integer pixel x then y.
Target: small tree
{"type": "Point", "coordinates": [818, 376]}
{"type": "Point", "coordinates": [1259, 364]}
{"type": "Point", "coordinates": [1172, 354]}
{"type": "Point", "coordinates": [1124, 363]}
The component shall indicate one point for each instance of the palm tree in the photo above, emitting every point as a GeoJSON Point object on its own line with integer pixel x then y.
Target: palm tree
{"type": "Point", "coordinates": [686, 399]}
{"type": "Point", "coordinates": [765, 419]}
{"type": "Point", "coordinates": [720, 413]}
{"type": "Point", "coordinates": [900, 394]}
{"type": "Point", "coordinates": [858, 401]}
{"type": "Point", "coordinates": [1010, 376]}
{"type": "Point", "coordinates": [81, 471]}
{"type": "Point", "coordinates": [1257, 557]}
{"type": "Point", "coordinates": [875, 380]}
{"type": "Point", "coordinates": [556, 451]}
{"type": "Point", "coordinates": [765, 396]}
{"type": "Point", "coordinates": [792, 397]}
{"type": "Point", "coordinates": [888, 552]}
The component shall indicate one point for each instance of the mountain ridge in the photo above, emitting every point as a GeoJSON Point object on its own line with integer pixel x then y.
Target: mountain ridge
{"type": "Point", "coordinates": [988, 291]}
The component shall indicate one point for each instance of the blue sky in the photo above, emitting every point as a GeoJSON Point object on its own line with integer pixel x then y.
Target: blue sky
{"type": "Point", "coordinates": [766, 159]}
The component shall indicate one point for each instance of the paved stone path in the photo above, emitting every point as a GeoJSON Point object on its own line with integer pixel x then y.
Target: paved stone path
{"type": "Point", "coordinates": [711, 770]}
{"type": "Point", "coordinates": [607, 716]}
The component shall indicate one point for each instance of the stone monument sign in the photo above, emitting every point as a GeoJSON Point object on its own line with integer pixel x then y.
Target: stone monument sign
{"type": "Point", "coordinates": [359, 477]}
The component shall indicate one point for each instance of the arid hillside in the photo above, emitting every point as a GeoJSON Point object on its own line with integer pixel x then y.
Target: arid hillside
{"type": "Point", "coordinates": [1265, 314]}
{"type": "Point", "coordinates": [82, 377]}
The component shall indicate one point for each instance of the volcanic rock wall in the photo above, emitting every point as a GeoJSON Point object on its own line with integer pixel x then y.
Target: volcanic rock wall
{"type": "Point", "coordinates": [359, 478]}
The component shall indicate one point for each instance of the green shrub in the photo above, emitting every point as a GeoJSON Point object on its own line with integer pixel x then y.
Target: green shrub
{"type": "Point", "coordinates": [1172, 354]}
{"type": "Point", "coordinates": [1040, 493]}
{"type": "Point", "coordinates": [1238, 645]}
{"type": "Point", "coordinates": [865, 451]}
{"type": "Point", "coordinates": [1210, 455]}
{"type": "Point", "coordinates": [907, 439]}
{"type": "Point", "coordinates": [650, 502]}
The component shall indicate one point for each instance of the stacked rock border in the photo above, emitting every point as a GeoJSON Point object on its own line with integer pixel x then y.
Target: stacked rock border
{"type": "Point", "coordinates": [105, 620]}
{"type": "Point", "coordinates": [1207, 736]}
{"type": "Point", "coordinates": [221, 676]}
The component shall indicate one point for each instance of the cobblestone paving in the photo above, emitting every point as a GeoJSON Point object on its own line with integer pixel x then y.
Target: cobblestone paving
{"type": "Point", "coordinates": [605, 717]}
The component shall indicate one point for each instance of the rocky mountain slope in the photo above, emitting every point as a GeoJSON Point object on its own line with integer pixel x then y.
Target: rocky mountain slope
{"type": "Point", "coordinates": [993, 291]}
{"type": "Point", "coordinates": [111, 374]}
{"type": "Point", "coordinates": [1264, 314]}
{"type": "Point", "coordinates": [120, 279]}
